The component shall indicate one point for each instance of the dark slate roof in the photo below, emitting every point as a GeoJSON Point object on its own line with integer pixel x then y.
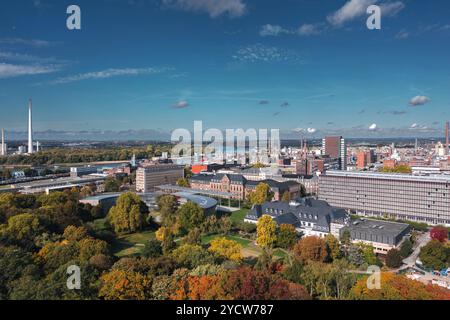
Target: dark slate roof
{"type": "Point", "coordinates": [285, 185]}
{"type": "Point", "coordinates": [308, 210]}
{"type": "Point", "coordinates": [201, 178]}
{"type": "Point", "coordinates": [234, 178]}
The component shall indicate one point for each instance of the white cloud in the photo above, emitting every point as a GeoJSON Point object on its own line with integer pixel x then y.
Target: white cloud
{"type": "Point", "coordinates": [108, 73]}
{"type": "Point", "coordinates": [12, 70]}
{"type": "Point", "coordinates": [373, 127]}
{"type": "Point", "coordinates": [27, 42]}
{"type": "Point", "coordinates": [419, 101]}
{"type": "Point", "coordinates": [311, 130]}
{"type": "Point", "coordinates": [309, 29]}
{"type": "Point", "coordinates": [351, 10]}
{"type": "Point", "coordinates": [356, 8]}
{"type": "Point", "coordinates": [392, 8]}
{"type": "Point", "coordinates": [272, 30]}
{"type": "Point", "coordinates": [181, 104]}
{"type": "Point", "coordinates": [260, 53]}
{"type": "Point", "coordinates": [403, 34]}
{"type": "Point", "coordinates": [215, 8]}
{"type": "Point", "coordinates": [414, 125]}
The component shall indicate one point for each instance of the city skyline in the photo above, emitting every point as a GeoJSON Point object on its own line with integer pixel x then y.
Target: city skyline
{"type": "Point", "coordinates": [309, 68]}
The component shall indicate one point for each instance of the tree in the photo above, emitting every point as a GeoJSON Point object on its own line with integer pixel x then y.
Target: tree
{"type": "Point", "coordinates": [183, 182]}
{"type": "Point", "coordinates": [439, 233]}
{"type": "Point", "coordinates": [112, 185]}
{"type": "Point", "coordinates": [24, 226]}
{"type": "Point", "coordinates": [346, 237]}
{"type": "Point", "coordinates": [225, 248]}
{"type": "Point", "coordinates": [406, 248]}
{"type": "Point", "coordinates": [193, 237]}
{"type": "Point", "coordinates": [86, 191]}
{"type": "Point", "coordinates": [435, 255]}
{"type": "Point", "coordinates": [393, 259]}
{"type": "Point", "coordinates": [72, 233]}
{"type": "Point", "coordinates": [266, 231]}
{"type": "Point", "coordinates": [333, 247]}
{"type": "Point", "coordinates": [369, 255]}
{"type": "Point", "coordinates": [398, 287]}
{"type": "Point", "coordinates": [126, 215]}
{"type": "Point", "coordinates": [286, 196]}
{"type": "Point", "coordinates": [168, 206]}
{"type": "Point", "coordinates": [191, 256]}
{"type": "Point", "coordinates": [122, 285]}
{"type": "Point", "coordinates": [89, 247]}
{"type": "Point", "coordinates": [287, 236]}
{"type": "Point", "coordinates": [190, 215]}
{"type": "Point", "coordinates": [311, 249]}
{"type": "Point", "coordinates": [261, 194]}
{"type": "Point", "coordinates": [152, 249]}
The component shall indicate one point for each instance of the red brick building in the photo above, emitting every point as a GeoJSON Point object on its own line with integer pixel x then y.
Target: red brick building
{"type": "Point", "coordinates": [240, 187]}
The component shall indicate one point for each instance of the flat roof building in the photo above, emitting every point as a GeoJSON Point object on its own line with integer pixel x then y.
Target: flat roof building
{"type": "Point", "coordinates": [399, 196]}
{"type": "Point", "coordinates": [148, 178]}
{"type": "Point", "coordinates": [382, 235]}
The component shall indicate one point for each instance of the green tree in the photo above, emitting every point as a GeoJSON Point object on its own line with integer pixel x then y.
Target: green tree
{"type": "Point", "coordinates": [286, 236]}
{"type": "Point", "coordinates": [183, 182]}
{"type": "Point", "coordinates": [190, 215]}
{"type": "Point", "coordinates": [152, 249]}
{"type": "Point", "coordinates": [346, 237]}
{"type": "Point", "coordinates": [127, 215]}
{"type": "Point", "coordinates": [435, 255]}
{"type": "Point", "coordinates": [333, 246]}
{"type": "Point", "coordinates": [406, 248]}
{"type": "Point", "coordinates": [24, 226]}
{"type": "Point", "coordinates": [266, 230]}
{"type": "Point", "coordinates": [261, 194]}
{"type": "Point", "coordinates": [112, 185]}
{"type": "Point", "coordinates": [168, 206]}
{"type": "Point", "coordinates": [393, 259]}
{"type": "Point", "coordinates": [191, 256]}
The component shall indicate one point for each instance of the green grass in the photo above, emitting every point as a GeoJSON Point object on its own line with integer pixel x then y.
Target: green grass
{"type": "Point", "coordinates": [100, 224]}
{"type": "Point", "coordinates": [131, 244]}
{"type": "Point", "coordinates": [238, 216]}
{"type": "Point", "coordinates": [249, 248]}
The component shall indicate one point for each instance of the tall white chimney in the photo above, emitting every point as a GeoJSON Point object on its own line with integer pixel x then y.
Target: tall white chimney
{"type": "Point", "coordinates": [30, 127]}
{"type": "Point", "coordinates": [3, 143]}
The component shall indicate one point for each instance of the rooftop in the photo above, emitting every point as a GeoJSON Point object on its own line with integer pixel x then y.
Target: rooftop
{"type": "Point", "coordinates": [378, 227]}
{"type": "Point", "coordinates": [388, 176]}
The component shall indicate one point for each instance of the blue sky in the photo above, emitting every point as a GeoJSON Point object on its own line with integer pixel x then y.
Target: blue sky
{"type": "Point", "coordinates": [308, 66]}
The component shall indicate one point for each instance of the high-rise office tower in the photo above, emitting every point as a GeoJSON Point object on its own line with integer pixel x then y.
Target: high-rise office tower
{"type": "Point", "coordinates": [336, 147]}
{"type": "Point", "coordinates": [30, 127]}
{"type": "Point", "coordinates": [447, 151]}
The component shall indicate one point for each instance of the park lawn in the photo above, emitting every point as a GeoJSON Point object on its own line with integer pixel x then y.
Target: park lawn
{"type": "Point", "coordinates": [238, 216]}
{"type": "Point", "coordinates": [100, 224]}
{"type": "Point", "coordinates": [249, 248]}
{"type": "Point", "coordinates": [131, 244]}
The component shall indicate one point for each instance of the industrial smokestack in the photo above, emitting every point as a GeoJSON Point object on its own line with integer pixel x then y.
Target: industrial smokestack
{"type": "Point", "coordinates": [30, 127]}
{"type": "Point", "coordinates": [446, 139]}
{"type": "Point", "coordinates": [3, 143]}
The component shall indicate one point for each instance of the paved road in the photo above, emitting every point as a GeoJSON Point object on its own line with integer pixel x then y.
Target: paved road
{"type": "Point", "coordinates": [421, 241]}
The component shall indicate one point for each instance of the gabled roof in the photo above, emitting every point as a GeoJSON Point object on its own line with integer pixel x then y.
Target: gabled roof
{"type": "Point", "coordinates": [308, 210]}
